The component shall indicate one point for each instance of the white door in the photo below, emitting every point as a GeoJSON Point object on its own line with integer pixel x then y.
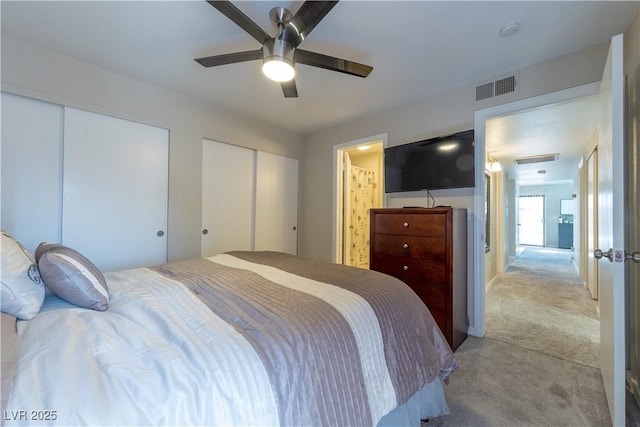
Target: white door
{"type": "Point", "coordinates": [611, 231]}
{"type": "Point", "coordinates": [31, 174]}
{"type": "Point", "coordinates": [115, 179]}
{"type": "Point", "coordinates": [227, 198]}
{"type": "Point", "coordinates": [276, 214]}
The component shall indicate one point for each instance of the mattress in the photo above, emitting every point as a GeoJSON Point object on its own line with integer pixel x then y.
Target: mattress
{"type": "Point", "coordinates": [242, 338]}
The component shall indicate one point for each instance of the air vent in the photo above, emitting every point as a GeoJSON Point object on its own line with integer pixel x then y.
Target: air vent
{"type": "Point", "coordinates": [496, 88]}
{"type": "Point", "coordinates": [484, 91]}
{"type": "Point", "coordinates": [506, 85]}
{"type": "Point", "coordinates": [536, 159]}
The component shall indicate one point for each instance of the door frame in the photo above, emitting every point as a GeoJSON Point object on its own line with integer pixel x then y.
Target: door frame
{"type": "Point", "coordinates": [338, 188]}
{"type": "Point", "coordinates": [591, 223]}
{"type": "Point", "coordinates": [346, 207]}
{"type": "Point", "coordinates": [477, 327]}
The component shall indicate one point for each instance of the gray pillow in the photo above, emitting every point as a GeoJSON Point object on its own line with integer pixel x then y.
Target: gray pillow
{"type": "Point", "coordinates": [72, 277]}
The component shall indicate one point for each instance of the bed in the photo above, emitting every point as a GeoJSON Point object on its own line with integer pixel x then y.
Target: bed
{"type": "Point", "coordinates": [241, 338]}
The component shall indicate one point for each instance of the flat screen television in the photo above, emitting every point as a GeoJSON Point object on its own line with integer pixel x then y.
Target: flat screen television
{"type": "Point", "coordinates": [431, 164]}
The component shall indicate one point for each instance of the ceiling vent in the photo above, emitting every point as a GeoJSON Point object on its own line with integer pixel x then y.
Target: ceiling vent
{"type": "Point", "coordinates": [496, 88]}
{"type": "Point", "coordinates": [536, 159]}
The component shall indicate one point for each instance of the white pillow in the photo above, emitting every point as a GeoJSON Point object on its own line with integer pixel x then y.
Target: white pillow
{"type": "Point", "coordinates": [22, 289]}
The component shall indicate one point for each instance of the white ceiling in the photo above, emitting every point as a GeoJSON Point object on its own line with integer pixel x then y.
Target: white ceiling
{"type": "Point", "coordinates": [565, 129]}
{"type": "Point", "coordinates": [417, 48]}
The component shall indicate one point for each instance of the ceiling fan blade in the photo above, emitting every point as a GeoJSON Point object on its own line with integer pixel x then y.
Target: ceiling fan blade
{"type": "Point", "coordinates": [240, 19]}
{"type": "Point", "coordinates": [230, 58]}
{"type": "Point", "coordinates": [304, 21]}
{"type": "Point", "coordinates": [314, 59]}
{"type": "Point", "coordinates": [289, 89]}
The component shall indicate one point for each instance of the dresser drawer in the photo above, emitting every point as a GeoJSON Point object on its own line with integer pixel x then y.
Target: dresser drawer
{"type": "Point", "coordinates": [411, 224]}
{"type": "Point", "coordinates": [408, 268]}
{"type": "Point", "coordinates": [432, 248]}
{"type": "Point", "coordinates": [434, 296]}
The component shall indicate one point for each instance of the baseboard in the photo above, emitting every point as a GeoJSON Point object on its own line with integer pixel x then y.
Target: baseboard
{"type": "Point", "coordinates": [491, 283]}
{"type": "Point", "coordinates": [573, 261]}
{"type": "Point", "coordinates": [472, 332]}
{"type": "Point", "coordinates": [633, 385]}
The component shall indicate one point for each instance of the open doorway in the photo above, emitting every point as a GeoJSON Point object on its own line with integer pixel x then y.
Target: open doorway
{"type": "Point", "coordinates": [359, 188]}
{"type": "Point", "coordinates": [531, 220]}
{"type": "Point", "coordinates": [505, 151]}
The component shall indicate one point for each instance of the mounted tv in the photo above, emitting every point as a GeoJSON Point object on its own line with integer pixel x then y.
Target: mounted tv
{"type": "Point", "coordinates": [431, 164]}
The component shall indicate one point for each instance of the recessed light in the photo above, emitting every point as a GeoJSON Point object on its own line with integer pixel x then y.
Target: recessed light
{"type": "Point", "coordinates": [364, 147]}
{"type": "Point", "coordinates": [510, 30]}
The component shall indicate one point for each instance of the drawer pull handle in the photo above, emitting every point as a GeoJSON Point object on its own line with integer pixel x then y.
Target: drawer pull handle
{"type": "Point", "coordinates": [406, 225]}
{"type": "Point", "coordinates": [405, 268]}
{"type": "Point", "coordinates": [405, 246]}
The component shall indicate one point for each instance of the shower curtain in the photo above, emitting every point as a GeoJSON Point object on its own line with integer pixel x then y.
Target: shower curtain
{"type": "Point", "coordinates": [362, 198]}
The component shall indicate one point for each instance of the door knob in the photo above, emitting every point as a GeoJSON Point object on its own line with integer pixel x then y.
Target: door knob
{"type": "Point", "coordinates": [635, 257]}
{"type": "Point", "coordinates": [205, 231]}
{"type": "Point", "coordinates": [160, 233]}
{"type": "Point", "coordinates": [598, 254]}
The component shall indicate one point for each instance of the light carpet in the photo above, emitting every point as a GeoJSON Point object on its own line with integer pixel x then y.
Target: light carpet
{"type": "Point", "coordinates": [540, 304]}
{"type": "Point", "coordinates": [537, 365]}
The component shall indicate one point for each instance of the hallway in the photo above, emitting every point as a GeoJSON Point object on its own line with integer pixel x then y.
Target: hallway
{"type": "Point", "coordinates": [537, 365]}
{"type": "Point", "coordinates": [540, 304]}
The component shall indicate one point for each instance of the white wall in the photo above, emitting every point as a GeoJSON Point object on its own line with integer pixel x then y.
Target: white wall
{"type": "Point", "coordinates": [366, 160]}
{"type": "Point", "coordinates": [42, 74]}
{"type": "Point", "coordinates": [438, 115]}
{"type": "Point", "coordinates": [580, 225]}
{"type": "Point", "coordinates": [511, 226]}
{"type": "Point", "coordinates": [491, 261]}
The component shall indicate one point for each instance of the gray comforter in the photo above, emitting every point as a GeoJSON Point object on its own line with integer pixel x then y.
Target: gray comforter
{"type": "Point", "coordinates": [341, 345]}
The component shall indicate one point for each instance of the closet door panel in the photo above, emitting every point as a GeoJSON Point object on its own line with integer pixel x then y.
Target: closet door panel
{"type": "Point", "coordinates": [227, 197]}
{"type": "Point", "coordinates": [276, 217]}
{"type": "Point", "coordinates": [31, 169]}
{"type": "Point", "coordinates": [115, 190]}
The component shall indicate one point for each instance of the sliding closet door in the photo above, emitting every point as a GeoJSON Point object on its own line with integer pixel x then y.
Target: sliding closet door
{"type": "Point", "coordinates": [276, 203]}
{"type": "Point", "coordinates": [115, 180]}
{"type": "Point", "coordinates": [227, 197]}
{"type": "Point", "coordinates": [31, 176]}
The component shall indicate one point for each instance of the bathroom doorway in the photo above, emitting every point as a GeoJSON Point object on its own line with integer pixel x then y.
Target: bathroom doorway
{"type": "Point", "coordinates": [359, 189]}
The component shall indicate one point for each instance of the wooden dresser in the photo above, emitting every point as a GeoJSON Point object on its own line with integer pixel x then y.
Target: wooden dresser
{"type": "Point", "coordinates": [426, 249]}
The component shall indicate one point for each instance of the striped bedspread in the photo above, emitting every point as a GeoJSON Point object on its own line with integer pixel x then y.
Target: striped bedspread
{"type": "Point", "coordinates": [242, 338]}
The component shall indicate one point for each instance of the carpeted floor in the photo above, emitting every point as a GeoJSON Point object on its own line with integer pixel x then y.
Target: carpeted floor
{"type": "Point", "coordinates": [537, 365]}
{"type": "Point", "coordinates": [540, 304]}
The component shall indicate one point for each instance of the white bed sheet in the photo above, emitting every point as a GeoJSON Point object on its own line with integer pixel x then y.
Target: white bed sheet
{"type": "Point", "coordinates": [167, 319]}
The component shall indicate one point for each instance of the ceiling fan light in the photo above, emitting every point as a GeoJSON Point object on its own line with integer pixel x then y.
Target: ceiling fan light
{"type": "Point", "coordinates": [278, 69]}
{"type": "Point", "coordinates": [278, 60]}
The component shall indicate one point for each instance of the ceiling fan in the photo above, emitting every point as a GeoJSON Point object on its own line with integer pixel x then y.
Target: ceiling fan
{"type": "Point", "coordinates": [280, 53]}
